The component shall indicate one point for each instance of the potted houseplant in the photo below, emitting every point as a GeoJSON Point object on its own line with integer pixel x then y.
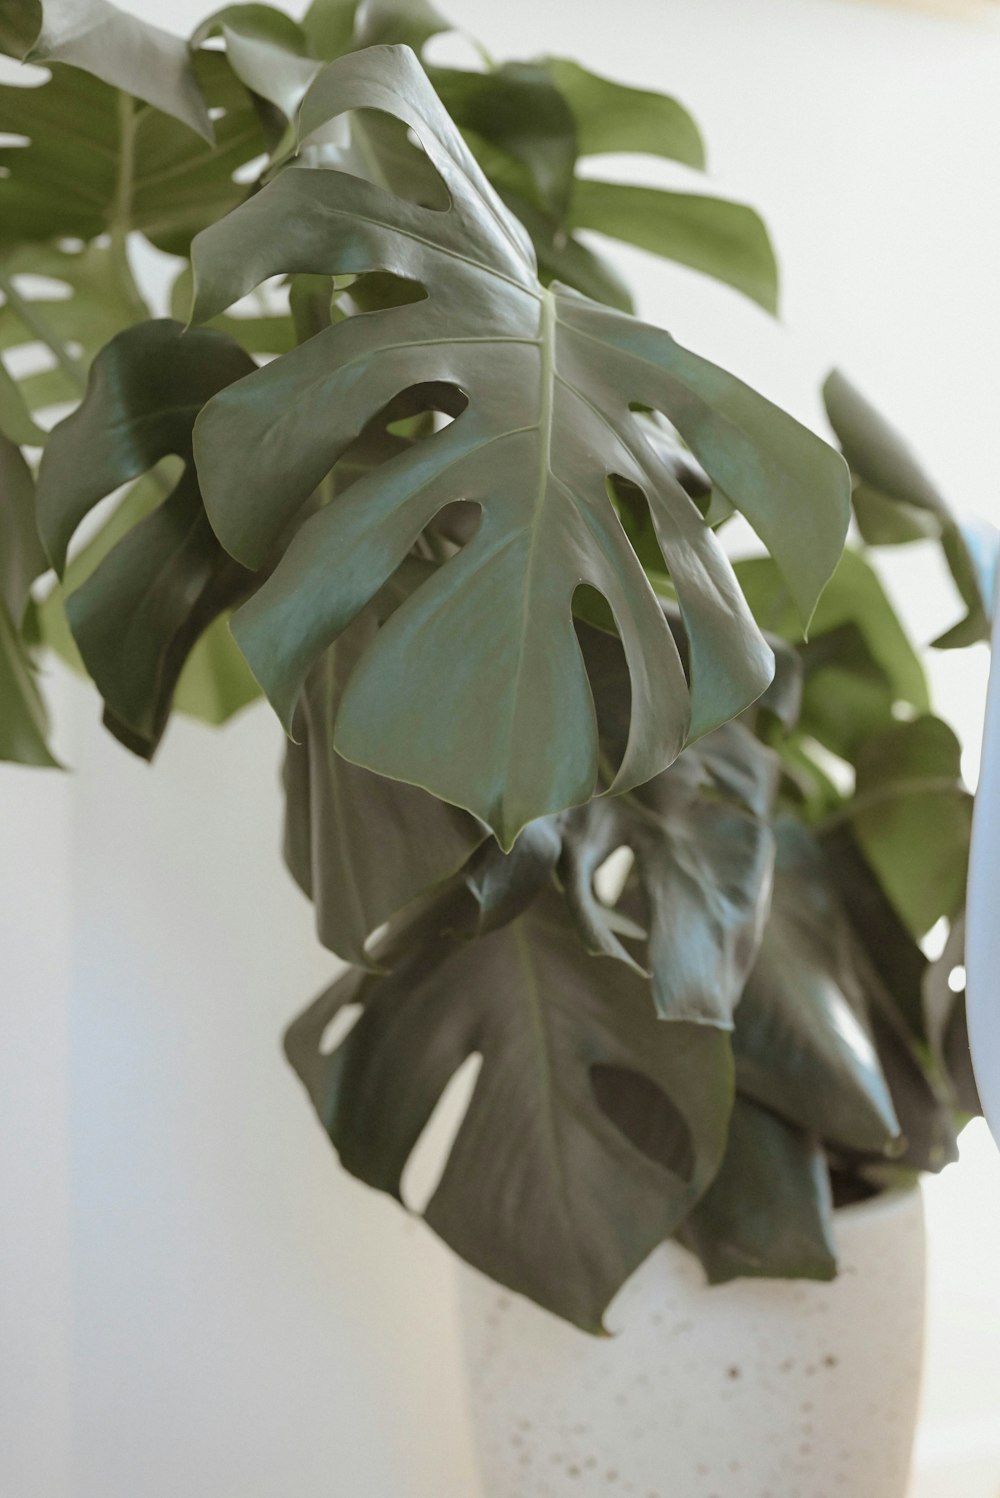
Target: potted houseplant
{"type": "Point", "coordinates": [571, 792]}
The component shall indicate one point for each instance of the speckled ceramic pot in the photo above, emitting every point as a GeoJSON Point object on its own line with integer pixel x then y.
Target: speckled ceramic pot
{"type": "Point", "coordinates": [757, 1389]}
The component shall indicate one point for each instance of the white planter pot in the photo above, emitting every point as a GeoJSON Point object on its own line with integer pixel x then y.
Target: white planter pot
{"type": "Point", "coordinates": [756, 1389]}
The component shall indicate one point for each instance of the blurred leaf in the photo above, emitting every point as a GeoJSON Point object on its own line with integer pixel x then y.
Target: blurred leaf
{"type": "Point", "coordinates": [895, 502]}
{"type": "Point", "coordinates": [769, 1212]}
{"type": "Point", "coordinates": [854, 596]}
{"type": "Point", "coordinates": [22, 557]}
{"type": "Point", "coordinates": [912, 818]}
{"type": "Point", "coordinates": [803, 1045]}
{"type": "Point", "coordinates": [611, 117]}
{"type": "Point", "coordinates": [720, 239]}
{"type": "Point", "coordinates": [23, 720]}
{"type": "Point", "coordinates": [120, 49]}
{"type": "Point", "coordinates": [592, 1129]}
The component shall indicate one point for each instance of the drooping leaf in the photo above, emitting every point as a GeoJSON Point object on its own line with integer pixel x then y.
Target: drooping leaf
{"type": "Point", "coordinates": [895, 502]}
{"type": "Point", "coordinates": [362, 846]}
{"type": "Point", "coordinates": [769, 1212]}
{"type": "Point", "coordinates": [611, 117]}
{"type": "Point", "coordinates": [268, 52]}
{"type": "Point", "coordinates": [721, 239]}
{"type": "Point", "coordinates": [803, 1043]}
{"type": "Point", "coordinates": [548, 378]}
{"type": "Point", "coordinates": [592, 1129]}
{"type": "Point", "coordinates": [910, 798]}
{"type": "Point", "coordinates": [137, 616]}
{"type": "Point", "coordinates": [703, 857]}
{"type": "Point", "coordinates": [110, 44]}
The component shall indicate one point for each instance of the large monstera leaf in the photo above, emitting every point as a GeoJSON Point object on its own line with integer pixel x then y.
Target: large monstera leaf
{"type": "Point", "coordinates": [550, 380]}
{"type": "Point", "coordinates": [593, 1127]}
{"type": "Point", "coordinates": [136, 618]}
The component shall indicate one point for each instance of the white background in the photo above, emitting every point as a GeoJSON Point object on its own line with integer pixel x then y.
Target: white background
{"type": "Point", "coordinates": [193, 1300]}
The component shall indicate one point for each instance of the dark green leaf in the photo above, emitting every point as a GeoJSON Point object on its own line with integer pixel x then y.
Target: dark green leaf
{"type": "Point", "coordinates": [803, 1044]}
{"type": "Point", "coordinates": [137, 616]}
{"type": "Point", "coordinates": [520, 111]}
{"type": "Point", "coordinates": [112, 45]}
{"type": "Point", "coordinates": [592, 1129]}
{"type": "Point", "coordinates": [22, 557]}
{"type": "Point", "coordinates": [769, 1212]}
{"type": "Point", "coordinates": [720, 239]}
{"type": "Point", "coordinates": [612, 117]}
{"type": "Point", "coordinates": [704, 869]}
{"type": "Point", "coordinates": [329, 26]}
{"type": "Point", "coordinates": [549, 378]}
{"type": "Point", "coordinates": [23, 721]}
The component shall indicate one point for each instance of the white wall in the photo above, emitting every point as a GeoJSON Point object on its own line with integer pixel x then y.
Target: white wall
{"type": "Point", "coordinates": [194, 1300]}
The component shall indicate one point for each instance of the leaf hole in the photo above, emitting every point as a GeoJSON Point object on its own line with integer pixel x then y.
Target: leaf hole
{"type": "Point", "coordinates": [402, 161]}
{"type": "Point", "coordinates": [611, 877]}
{"type": "Point", "coordinates": [35, 288]}
{"type": "Point", "coordinates": [423, 1170]}
{"type": "Point", "coordinates": [249, 171]}
{"type": "Point", "coordinates": [644, 1114]}
{"type": "Point", "coordinates": [10, 141]}
{"type": "Point", "coordinates": [378, 291]}
{"type": "Point", "coordinates": [956, 979]}
{"type": "Point", "coordinates": [339, 1027]}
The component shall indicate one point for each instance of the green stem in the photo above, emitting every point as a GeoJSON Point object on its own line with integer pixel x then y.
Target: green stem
{"type": "Point", "coordinates": [919, 785]}
{"type": "Point", "coordinates": [121, 212]}
{"type": "Point", "coordinates": [74, 369]}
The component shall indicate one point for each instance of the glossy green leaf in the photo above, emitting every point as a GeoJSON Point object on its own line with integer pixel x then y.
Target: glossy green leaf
{"type": "Point", "coordinates": [703, 858]}
{"type": "Point", "coordinates": [721, 239]}
{"type": "Point", "coordinates": [548, 378]}
{"type": "Point", "coordinates": [803, 1042]}
{"type": "Point", "coordinates": [769, 1212]}
{"type": "Point", "coordinates": [592, 1129]}
{"type": "Point", "coordinates": [110, 44]}
{"type": "Point", "coordinates": [612, 117]}
{"type": "Point", "coordinates": [910, 798]}
{"type": "Point", "coordinates": [361, 846]}
{"type": "Point", "coordinates": [138, 614]}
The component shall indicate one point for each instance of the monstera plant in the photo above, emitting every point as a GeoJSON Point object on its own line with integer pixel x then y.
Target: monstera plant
{"type": "Point", "coordinates": [653, 834]}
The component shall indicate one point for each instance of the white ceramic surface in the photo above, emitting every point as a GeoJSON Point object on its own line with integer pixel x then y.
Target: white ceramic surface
{"type": "Point", "coordinates": [750, 1390]}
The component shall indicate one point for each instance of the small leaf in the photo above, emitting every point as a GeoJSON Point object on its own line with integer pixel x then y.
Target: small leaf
{"type": "Point", "coordinates": [137, 616]}
{"type": "Point", "coordinates": [592, 1129]}
{"type": "Point", "coordinates": [909, 799]}
{"type": "Point", "coordinates": [611, 117]}
{"type": "Point", "coordinates": [720, 239]}
{"type": "Point", "coordinates": [267, 50]}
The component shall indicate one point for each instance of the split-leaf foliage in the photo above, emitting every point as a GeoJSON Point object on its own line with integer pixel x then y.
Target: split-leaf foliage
{"type": "Point", "coordinates": [653, 836]}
